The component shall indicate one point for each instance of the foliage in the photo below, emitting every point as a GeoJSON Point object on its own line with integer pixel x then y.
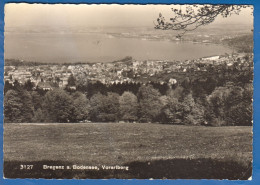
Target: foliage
{"type": "Point", "coordinates": [57, 106]}
{"type": "Point", "coordinates": [172, 110]}
{"type": "Point", "coordinates": [71, 81]}
{"type": "Point", "coordinates": [110, 107]}
{"type": "Point", "coordinates": [12, 107]}
{"type": "Point", "coordinates": [36, 100]}
{"type": "Point", "coordinates": [194, 16]}
{"type": "Point", "coordinates": [27, 108]}
{"type": "Point", "coordinates": [220, 97]}
{"type": "Point", "coordinates": [18, 106]}
{"type": "Point", "coordinates": [193, 113]}
{"type": "Point", "coordinates": [96, 104]}
{"type": "Point", "coordinates": [29, 85]}
{"type": "Point", "coordinates": [128, 106]}
{"type": "Point", "coordinates": [241, 114]}
{"type": "Point", "coordinates": [39, 116]}
{"type": "Point", "coordinates": [231, 105]}
{"type": "Point", "coordinates": [104, 108]}
{"type": "Point", "coordinates": [81, 107]}
{"type": "Point", "coordinates": [150, 105]}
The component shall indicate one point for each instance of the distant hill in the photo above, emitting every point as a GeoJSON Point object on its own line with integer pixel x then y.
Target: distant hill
{"type": "Point", "coordinates": [241, 43]}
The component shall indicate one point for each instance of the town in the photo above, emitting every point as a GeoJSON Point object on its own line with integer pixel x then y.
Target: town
{"type": "Point", "coordinates": [47, 76]}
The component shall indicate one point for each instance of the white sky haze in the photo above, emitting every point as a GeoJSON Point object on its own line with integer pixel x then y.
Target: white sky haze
{"type": "Point", "coordinates": [22, 14]}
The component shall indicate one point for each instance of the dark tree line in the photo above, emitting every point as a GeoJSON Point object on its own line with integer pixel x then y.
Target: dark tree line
{"type": "Point", "coordinates": [207, 100]}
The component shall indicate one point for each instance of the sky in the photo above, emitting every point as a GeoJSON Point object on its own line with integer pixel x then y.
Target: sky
{"type": "Point", "coordinates": [23, 15]}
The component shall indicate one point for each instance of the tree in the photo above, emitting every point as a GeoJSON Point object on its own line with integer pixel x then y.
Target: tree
{"type": "Point", "coordinates": [241, 108]}
{"type": "Point", "coordinates": [17, 86]}
{"type": "Point", "coordinates": [111, 107]}
{"type": "Point", "coordinates": [217, 104]}
{"type": "Point", "coordinates": [150, 104]}
{"type": "Point", "coordinates": [186, 84]}
{"type": "Point", "coordinates": [172, 109]}
{"type": "Point", "coordinates": [57, 106]}
{"type": "Point", "coordinates": [12, 107]}
{"type": "Point", "coordinates": [94, 88]}
{"type": "Point", "coordinates": [39, 116]}
{"type": "Point", "coordinates": [128, 106]}
{"type": "Point", "coordinates": [231, 105]}
{"type": "Point", "coordinates": [96, 104]}
{"type": "Point", "coordinates": [177, 92]}
{"type": "Point", "coordinates": [104, 108]}
{"type": "Point", "coordinates": [37, 100]}
{"type": "Point", "coordinates": [241, 114]}
{"type": "Point", "coordinates": [8, 86]}
{"type": "Point", "coordinates": [193, 16]}
{"type": "Point", "coordinates": [193, 113]}
{"type": "Point", "coordinates": [71, 81]}
{"type": "Point", "coordinates": [27, 109]}
{"type": "Point", "coordinates": [18, 106]}
{"type": "Point", "coordinates": [81, 107]}
{"type": "Point", "coordinates": [82, 83]}
{"type": "Point", "coordinates": [28, 85]}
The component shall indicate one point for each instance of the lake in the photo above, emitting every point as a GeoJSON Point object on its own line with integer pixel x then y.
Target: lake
{"type": "Point", "coordinates": [100, 47]}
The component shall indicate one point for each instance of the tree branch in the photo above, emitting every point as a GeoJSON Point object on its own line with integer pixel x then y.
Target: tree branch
{"type": "Point", "coordinates": [195, 16]}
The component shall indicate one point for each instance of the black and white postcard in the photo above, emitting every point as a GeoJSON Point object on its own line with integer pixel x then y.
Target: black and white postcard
{"type": "Point", "coordinates": [113, 91]}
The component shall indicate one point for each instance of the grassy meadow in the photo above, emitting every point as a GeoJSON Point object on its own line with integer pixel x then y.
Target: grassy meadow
{"type": "Point", "coordinates": [186, 151]}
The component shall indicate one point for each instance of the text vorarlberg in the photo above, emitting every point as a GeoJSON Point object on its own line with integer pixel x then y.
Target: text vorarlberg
{"type": "Point", "coordinates": [85, 167]}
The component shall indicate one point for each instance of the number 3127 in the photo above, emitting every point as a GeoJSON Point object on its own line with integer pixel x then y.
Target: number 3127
{"type": "Point", "coordinates": [26, 167]}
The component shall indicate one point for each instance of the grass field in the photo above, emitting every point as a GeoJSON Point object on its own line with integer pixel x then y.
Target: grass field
{"type": "Point", "coordinates": [132, 144]}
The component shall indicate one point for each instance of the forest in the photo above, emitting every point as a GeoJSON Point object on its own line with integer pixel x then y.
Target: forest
{"type": "Point", "coordinates": [218, 98]}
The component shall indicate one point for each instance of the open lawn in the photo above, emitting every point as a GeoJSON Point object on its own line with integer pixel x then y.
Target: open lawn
{"type": "Point", "coordinates": [128, 143]}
